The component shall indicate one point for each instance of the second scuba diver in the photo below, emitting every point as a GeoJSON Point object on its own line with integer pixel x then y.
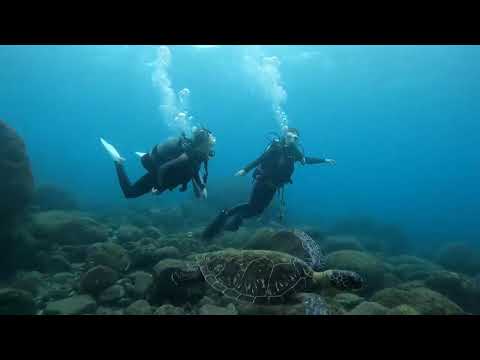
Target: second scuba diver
{"type": "Point", "coordinates": [272, 171]}
{"type": "Point", "coordinates": [175, 162]}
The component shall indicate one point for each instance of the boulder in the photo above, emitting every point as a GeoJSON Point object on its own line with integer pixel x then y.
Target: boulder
{"type": "Point", "coordinates": [423, 300]}
{"type": "Point", "coordinates": [369, 308]}
{"type": "Point", "coordinates": [152, 232]}
{"type": "Point", "coordinates": [167, 252]}
{"type": "Point", "coordinates": [142, 281]}
{"type": "Point", "coordinates": [139, 307]}
{"type": "Point", "coordinates": [102, 310]}
{"type": "Point", "coordinates": [97, 279]}
{"type": "Point", "coordinates": [75, 305]}
{"type": "Point", "coordinates": [460, 257]}
{"type": "Point", "coordinates": [16, 302]}
{"type": "Point", "coordinates": [16, 193]}
{"type": "Point", "coordinates": [67, 228]}
{"type": "Point", "coordinates": [209, 309]}
{"type": "Point", "coordinates": [164, 288]}
{"type": "Point", "coordinates": [75, 253]}
{"type": "Point", "coordinates": [111, 294]}
{"type": "Point", "coordinates": [348, 300]}
{"type": "Point", "coordinates": [52, 264]}
{"type": "Point", "coordinates": [368, 266]}
{"type": "Point", "coordinates": [457, 287]}
{"type": "Point", "coordinates": [129, 233]}
{"type": "Point", "coordinates": [31, 282]}
{"type": "Point", "coordinates": [108, 254]}
{"type": "Point", "coordinates": [16, 185]}
{"type": "Point", "coordinates": [334, 243]}
{"type": "Point", "coordinates": [402, 310]}
{"type": "Point", "coordinates": [168, 309]}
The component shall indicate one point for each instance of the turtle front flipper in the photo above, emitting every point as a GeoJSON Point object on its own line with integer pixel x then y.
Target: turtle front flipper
{"type": "Point", "coordinates": [339, 279]}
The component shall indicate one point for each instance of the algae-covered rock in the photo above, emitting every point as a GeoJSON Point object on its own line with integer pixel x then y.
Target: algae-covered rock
{"type": "Point", "coordinates": [425, 301]}
{"type": "Point", "coordinates": [16, 302]}
{"type": "Point", "coordinates": [97, 279]}
{"type": "Point", "coordinates": [334, 243]}
{"type": "Point", "coordinates": [209, 309]}
{"type": "Point", "coordinates": [52, 264]}
{"type": "Point", "coordinates": [368, 266]}
{"type": "Point", "coordinates": [102, 310]}
{"type": "Point", "coordinates": [262, 240]}
{"type": "Point", "coordinates": [152, 232]}
{"type": "Point", "coordinates": [108, 254]}
{"type": "Point", "coordinates": [403, 310]}
{"type": "Point", "coordinates": [369, 308]}
{"type": "Point", "coordinates": [75, 305]}
{"type": "Point", "coordinates": [391, 280]}
{"type": "Point", "coordinates": [142, 281]}
{"type": "Point", "coordinates": [460, 257]}
{"type": "Point", "coordinates": [31, 281]}
{"type": "Point", "coordinates": [410, 268]}
{"type": "Point", "coordinates": [165, 289]}
{"type": "Point", "coordinates": [16, 185]}
{"type": "Point", "coordinates": [67, 228]}
{"type": "Point", "coordinates": [168, 309]}
{"type": "Point", "coordinates": [348, 300]}
{"type": "Point", "coordinates": [129, 233]}
{"type": "Point", "coordinates": [139, 307]}
{"type": "Point", "coordinates": [457, 287]}
{"type": "Point", "coordinates": [168, 252]}
{"type": "Point", "coordinates": [111, 294]}
{"type": "Point", "coordinates": [75, 253]}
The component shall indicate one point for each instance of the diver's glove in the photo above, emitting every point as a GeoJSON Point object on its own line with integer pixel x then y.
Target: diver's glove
{"type": "Point", "coordinates": [330, 161]}
{"type": "Point", "coordinates": [241, 173]}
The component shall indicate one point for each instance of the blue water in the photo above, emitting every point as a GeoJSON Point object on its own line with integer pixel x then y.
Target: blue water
{"type": "Point", "coordinates": [402, 122]}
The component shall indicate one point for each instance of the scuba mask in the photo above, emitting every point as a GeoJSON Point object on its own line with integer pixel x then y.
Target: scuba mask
{"type": "Point", "coordinates": [291, 138]}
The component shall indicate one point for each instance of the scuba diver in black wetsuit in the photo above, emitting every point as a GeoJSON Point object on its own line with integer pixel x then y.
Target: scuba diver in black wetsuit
{"type": "Point", "coordinates": [170, 164]}
{"type": "Point", "coordinates": [273, 170]}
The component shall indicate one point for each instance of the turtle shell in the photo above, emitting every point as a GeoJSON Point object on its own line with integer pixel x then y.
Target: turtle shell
{"type": "Point", "coordinates": [255, 276]}
{"type": "Point", "coordinates": [294, 242]}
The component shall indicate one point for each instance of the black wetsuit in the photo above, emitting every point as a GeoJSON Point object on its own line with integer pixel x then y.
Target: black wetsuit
{"type": "Point", "coordinates": [169, 165]}
{"type": "Point", "coordinates": [273, 170]}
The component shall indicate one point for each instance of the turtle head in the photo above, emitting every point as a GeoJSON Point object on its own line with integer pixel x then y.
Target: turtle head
{"type": "Point", "coordinates": [339, 279]}
{"type": "Point", "coordinates": [345, 280]}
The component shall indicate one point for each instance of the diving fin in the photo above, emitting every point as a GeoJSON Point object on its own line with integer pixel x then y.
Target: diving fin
{"type": "Point", "coordinates": [112, 151]}
{"type": "Point", "coordinates": [216, 226]}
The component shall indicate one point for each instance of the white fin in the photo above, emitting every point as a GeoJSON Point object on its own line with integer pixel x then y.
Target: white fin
{"type": "Point", "coordinates": [112, 151]}
{"type": "Point", "coordinates": [140, 154]}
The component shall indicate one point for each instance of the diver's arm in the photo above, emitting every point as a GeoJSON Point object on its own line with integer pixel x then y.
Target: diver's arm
{"type": "Point", "coordinates": [199, 188]}
{"type": "Point", "coordinates": [312, 160]}
{"type": "Point", "coordinates": [169, 164]}
{"type": "Point", "coordinates": [256, 162]}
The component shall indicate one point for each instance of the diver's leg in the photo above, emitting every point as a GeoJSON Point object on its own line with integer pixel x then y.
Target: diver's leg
{"type": "Point", "coordinates": [261, 196]}
{"type": "Point", "coordinates": [216, 226]}
{"type": "Point", "coordinates": [141, 187]}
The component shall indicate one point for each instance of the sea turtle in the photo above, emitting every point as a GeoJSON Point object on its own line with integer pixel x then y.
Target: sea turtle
{"type": "Point", "coordinates": [294, 242]}
{"type": "Point", "coordinates": [262, 276]}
